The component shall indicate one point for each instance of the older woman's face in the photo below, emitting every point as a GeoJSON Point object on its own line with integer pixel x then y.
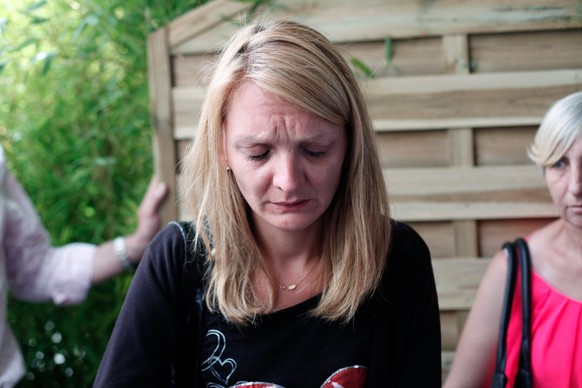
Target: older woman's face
{"type": "Point", "coordinates": [287, 162]}
{"type": "Point", "coordinates": [564, 179]}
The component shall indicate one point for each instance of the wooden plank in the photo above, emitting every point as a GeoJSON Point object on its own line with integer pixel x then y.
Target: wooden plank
{"type": "Point", "coordinates": [413, 149]}
{"type": "Point", "coordinates": [493, 233]}
{"type": "Point", "coordinates": [456, 54]}
{"type": "Point", "coordinates": [457, 281]}
{"type": "Point", "coordinates": [462, 148]}
{"type": "Point", "coordinates": [426, 211]}
{"type": "Point", "coordinates": [419, 56]}
{"type": "Point", "coordinates": [428, 85]}
{"type": "Point", "coordinates": [457, 101]}
{"type": "Point", "coordinates": [349, 21]}
{"type": "Point", "coordinates": [503, 146]}
{"type": "Point", "coordinates": [451, 326]}
{"type": "Point", "coordinates": [477, 182]}
{"type": "Point", "coordinates": [439, 236]}
{"type": "Point", "coordinates": [466, 238]}
{"type": "Point", "coordinates": [159, 78]}
{"type": "Point", "coordinates": [191, 70]}
{"type": "Point", "coordinates": [465, 193]}
{"type": "Point", "coordinates": [484, 193]}
{"type": "Point", "coordinates": [436, 102]}
{"type": "Point", "coordinates": [187, 105]}
{"type": "Point", "coordinates": [456, 57]}
{"type": "Point", "coordinates": [203, 18]}
{"type": "Point", "coordinates": [532, 50]}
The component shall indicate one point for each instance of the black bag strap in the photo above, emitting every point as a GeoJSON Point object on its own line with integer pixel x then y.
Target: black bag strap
{"type": "Point", "coordinates": [516, 251]}
{"type": "Point", "coordinates": [525, 378]}
{"type": "Point", "coordinates": [187, 370]}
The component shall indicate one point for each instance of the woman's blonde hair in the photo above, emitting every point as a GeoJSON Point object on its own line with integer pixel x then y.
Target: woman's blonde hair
{"type": "Point", "coordinates": [560, 128]}
{"type": "Point", "coordinates": [304, 68]}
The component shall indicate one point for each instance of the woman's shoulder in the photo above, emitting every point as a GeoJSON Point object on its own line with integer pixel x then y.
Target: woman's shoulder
{"type": "Point", "coordinates": [174, 245]}
{"type": "Point", "coordinates": [408, 257]}
{"type": "Point", "coordinates": [171, 235]}
{"type": "Point", "coordinates": [404, 240]}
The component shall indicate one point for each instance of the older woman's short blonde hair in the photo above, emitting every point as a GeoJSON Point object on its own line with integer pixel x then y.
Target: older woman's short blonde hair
{"type": "Point", "coordinates": [304, 68]}
{"type": "Point", "coordinates": [560, 128]}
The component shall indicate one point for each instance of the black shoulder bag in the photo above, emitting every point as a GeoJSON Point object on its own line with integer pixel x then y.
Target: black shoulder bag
{"type": "Point", "coordinates": [515, 251]}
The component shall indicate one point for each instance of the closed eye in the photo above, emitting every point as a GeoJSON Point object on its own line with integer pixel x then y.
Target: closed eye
{"type": "Point", "coordinates": [259, 157]}
{"type": "Point", "coordinates": [316, 154]}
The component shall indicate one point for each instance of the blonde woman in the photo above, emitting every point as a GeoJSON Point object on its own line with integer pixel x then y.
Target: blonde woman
{"type": "Point", "coordinates": [556, 261]}
{"type": "Point", "coordinates": [302, 278]}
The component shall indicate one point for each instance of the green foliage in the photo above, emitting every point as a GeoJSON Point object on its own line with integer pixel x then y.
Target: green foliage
{"type": "Point", "coordinates": [388, 50]}
{"type": "Point", "coordinates": [75, 125]}
{"type": "Point", "coordinates": [361, 68]}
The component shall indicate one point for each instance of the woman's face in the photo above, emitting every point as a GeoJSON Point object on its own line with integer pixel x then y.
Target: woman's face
{"type": "Point", "coordinates": [287, 162]}
{"type": "Point", "coordinates": [564, 179]}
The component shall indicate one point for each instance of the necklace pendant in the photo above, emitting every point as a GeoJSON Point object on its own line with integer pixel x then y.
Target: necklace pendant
{"type": "Point", "coordinates": [289, 288]}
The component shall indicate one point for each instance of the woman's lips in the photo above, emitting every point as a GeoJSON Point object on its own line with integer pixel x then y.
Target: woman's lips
{"type": "Point", "coordinates": [291, 205]}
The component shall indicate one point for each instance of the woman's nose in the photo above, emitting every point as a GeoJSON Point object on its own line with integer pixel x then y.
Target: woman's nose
{"type": "Point", "coordinates": [575, 184]}
{"type": "Point", "coordinates": [288, 173]}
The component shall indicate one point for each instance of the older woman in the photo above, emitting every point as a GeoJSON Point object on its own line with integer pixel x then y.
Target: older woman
{"type": "Point", "coordinates": [300, 277]}
{"type": "Point", "coordinates": [556, 259]}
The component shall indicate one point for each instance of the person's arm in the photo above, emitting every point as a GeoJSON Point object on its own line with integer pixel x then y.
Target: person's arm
{"type": "Point", "coordinates": [144, 341]}
{"type": "Point", "coordinates": [107, 261]}
{"type": "Point", "coordinates": [475, 354]}
{"type": "Point", "coordinates": [36, 271]}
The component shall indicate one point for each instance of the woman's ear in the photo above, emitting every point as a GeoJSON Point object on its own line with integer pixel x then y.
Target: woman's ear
{"type": "Point", "coordinates": [224, 160]}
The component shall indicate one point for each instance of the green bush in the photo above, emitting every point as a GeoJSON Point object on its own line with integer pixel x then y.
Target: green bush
{"type": "Point", "coordinates": [75, 125]}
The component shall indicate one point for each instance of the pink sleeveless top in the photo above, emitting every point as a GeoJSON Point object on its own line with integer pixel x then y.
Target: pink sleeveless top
{"type": "Point", "coordinates": [556, 347]}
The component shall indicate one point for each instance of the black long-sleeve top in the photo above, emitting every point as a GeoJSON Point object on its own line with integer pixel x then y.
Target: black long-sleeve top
{"type": "Point", "coordinates": [394, 340]}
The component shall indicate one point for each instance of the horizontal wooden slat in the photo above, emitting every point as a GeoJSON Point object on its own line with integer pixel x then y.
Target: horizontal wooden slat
{"type": "Point", "coordinates": [450, 183]}
{"type": "Point", "coordinates": [187, 105]}
{"type": "Point", "coordinates": [349, 21]}
{"type": "Point", "coordinates": [204, 18]}
{"type": "Point", "coordinates": [503, 146]}
{"type": "Point", "coordinates": [424, 211]}
{"type": "Point", "coordinates": [408, 56]}
{"type": "Point", "coordinates": [436, 102]}
{"type": "Point", "coordinates": [414, 149]}
{"type": "Point", "coordinates": [532, 50]}
{"type": "Point", "coordinates": [493, 233]}
{"type": "Point", "coordinates": [458, 101]}
{"type": "Point", "coordinates": [457, 281]}
{"type": "Point", "coordinates": [462, 193]}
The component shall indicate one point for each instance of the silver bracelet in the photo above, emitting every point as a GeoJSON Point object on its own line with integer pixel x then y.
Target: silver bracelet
{"type": "Point", "coordinates": [121, 253]}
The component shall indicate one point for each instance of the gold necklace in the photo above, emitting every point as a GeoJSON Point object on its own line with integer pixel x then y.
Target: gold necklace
{"type": "Point", "coordinates": [293, 287]}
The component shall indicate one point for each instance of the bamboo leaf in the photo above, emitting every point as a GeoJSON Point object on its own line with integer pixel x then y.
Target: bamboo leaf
{"type": "Point", "coordinates": [362, 67]}
{"type": "Point", "coordinates": [36, 5]}
{"type": "Point", "coordinates": [38, 20]}
{"type": "Point", "coordinates": [23, 44]}
{"type": "Point", "coordinates": [388, 49]}
{"type": "Point", "coordinates": [3, 24]}
{"type": "Point", "coordinates": [48, 60]}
